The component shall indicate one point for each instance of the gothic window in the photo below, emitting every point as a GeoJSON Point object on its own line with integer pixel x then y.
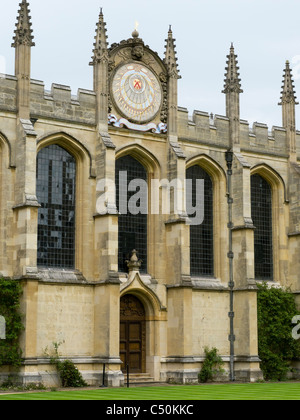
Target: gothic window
{"type": "Point", "coordinates": [132, 227]}
{"type": "Point", "coordinates": [201, 236]}
{"type": "Point", "coordinates": [56, 184]}
{"type": "Point", "coordinates": [261, 208]}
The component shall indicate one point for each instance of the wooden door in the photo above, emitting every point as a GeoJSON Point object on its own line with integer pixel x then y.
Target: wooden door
{"type": "Point", "coordinates": [132, 334]}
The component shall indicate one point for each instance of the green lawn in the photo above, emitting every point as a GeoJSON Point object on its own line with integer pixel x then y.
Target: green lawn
{"type": "Point", "coordinates": [259, 391]}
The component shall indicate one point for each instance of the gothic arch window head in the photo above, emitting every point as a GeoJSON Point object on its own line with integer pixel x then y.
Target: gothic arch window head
{"type": "Point", "coordinates": [261, 210]}
{"type": "Point", "coordinates": [56, 190]}
{"type": "Point", "coordinates": [201, 236]}
{"type": "Point", "coordinates": [132, 227]}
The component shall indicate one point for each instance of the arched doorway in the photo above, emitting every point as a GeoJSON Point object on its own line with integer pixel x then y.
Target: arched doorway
{"type": "Point", "coordinates": [132, 334]}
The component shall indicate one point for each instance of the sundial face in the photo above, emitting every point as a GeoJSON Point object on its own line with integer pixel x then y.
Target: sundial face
{"type": "Point", "coordinates": [137, 92]}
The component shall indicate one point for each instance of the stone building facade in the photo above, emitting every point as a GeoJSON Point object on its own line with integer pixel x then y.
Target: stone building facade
{"type": "Point", "coordinates": [78, 257]}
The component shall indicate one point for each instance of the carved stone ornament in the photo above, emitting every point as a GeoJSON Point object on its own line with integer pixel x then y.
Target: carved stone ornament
{"type": "Point", "coordinates": [140, 97]}
{"type": "Point", "coordinates": [23, 31]}
{"type": "Point", "coordinates": [137, 52]}
{"type": "Point", "coordinates": [134, 263]}
{"type": "Point", "coordinates": [131, 307]}
{"type": "Point", "coordinates": [161, 128]}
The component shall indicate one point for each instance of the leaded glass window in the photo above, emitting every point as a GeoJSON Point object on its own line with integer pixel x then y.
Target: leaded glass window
{"type": "Point", "coordinates": [132, 227]}
{"type": "Point", "coordinates": [201, 236]}
{"type": "Point", "coordinates": [56, 185]}
{"type": "Point", "coordinates": [261, 208]}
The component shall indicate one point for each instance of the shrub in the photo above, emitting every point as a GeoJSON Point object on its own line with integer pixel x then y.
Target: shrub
{"type": "Point", "coordinates": [69, 374]}
{"type": "Point", "coordinates": [211, 366]}
{"type": "Point", "coordinates": [276, 346]}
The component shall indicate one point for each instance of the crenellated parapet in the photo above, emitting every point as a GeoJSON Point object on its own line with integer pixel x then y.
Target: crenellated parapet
{"type": "Point", "coordinates": [202, 127]}
{"type": "Point", "coordinates": [213, 130]}
{"type": "Point", "coordinates": [57, 103]}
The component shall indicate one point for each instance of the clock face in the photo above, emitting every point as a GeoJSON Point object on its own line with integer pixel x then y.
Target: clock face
{"type": "Point", "coordinates": [136, 92]}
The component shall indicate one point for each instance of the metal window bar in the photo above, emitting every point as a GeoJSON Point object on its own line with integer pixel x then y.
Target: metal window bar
{"type": "Point", "coordinates": [132, 228]}
{"type": "Point", "coordinates": [261, 208]}
{"type": "Point", "coordinates": [56, 186]}
{"type": "Point", "coordinates": [201, 236]}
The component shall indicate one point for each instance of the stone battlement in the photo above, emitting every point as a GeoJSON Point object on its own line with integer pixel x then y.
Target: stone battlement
{"type": "Point", "coordinates": [203, 127]}
{"type": "Point", "coordinates": [58, 103]}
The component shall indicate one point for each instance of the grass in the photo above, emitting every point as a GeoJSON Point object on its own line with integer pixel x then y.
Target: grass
{"type": "Point", "coordinates": [257, 391]}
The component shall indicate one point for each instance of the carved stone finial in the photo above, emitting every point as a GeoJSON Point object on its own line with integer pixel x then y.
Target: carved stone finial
{"type": "Point", "coordinates": [232, 80]}
{"type": "Point", "coordinates": [288, 94]}
{"type": "Point", "coordinates": [101, 44]}
{"type": "Point", "coordinates": [137, 51]}
{"type": "Point", "coordinates": [135, 34]}
{"type": "Point", "coordinates": [23, 31]}
{"type": "Point", "coordinates": [171, 56]}
{"type": "Point", "coordinates": [134, 263]}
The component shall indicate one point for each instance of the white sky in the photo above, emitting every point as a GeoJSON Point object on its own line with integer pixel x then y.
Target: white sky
{"type": "Point", "coordinates": [265, 34]}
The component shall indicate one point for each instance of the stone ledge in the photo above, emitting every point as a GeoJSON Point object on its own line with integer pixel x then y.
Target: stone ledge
{"type": "Point", "coordinates": [53, 275]}
{"type": "Point", "coordinates": [75, 359]}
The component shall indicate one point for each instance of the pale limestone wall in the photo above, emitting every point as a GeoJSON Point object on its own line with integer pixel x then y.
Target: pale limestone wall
{"type": "Point", "coordinates": [245, 322]}
{"type": "Point", "coordinates": [6, 216]}
{"type": "Point", "coordinates": [65, 314]}
{"type": "Point", "coordinates": [209, 324]}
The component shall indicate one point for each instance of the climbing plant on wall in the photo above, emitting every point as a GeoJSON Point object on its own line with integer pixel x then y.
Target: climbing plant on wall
{"type": "Point", "coordinates": [276, 345]}
{"type": "Point", "coordinates": [10, 294]}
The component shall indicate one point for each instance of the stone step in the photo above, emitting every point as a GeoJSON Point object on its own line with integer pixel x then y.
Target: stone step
{"type": "Point", "coordinates": [139, 378]}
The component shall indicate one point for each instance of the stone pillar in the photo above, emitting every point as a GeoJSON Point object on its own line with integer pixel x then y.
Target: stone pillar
{"type": "Point", "coordinates": [232, 89]}
{"type": "Point", "coordinates": [30, 309]}
{"type": "Point", "coordinates": [244, 362]}
{"type": "Point", "coordinates": [288, 103]}
{"type": "Point", "coordinates": [100, 64]}
{"type": "Point", "coordinates": [26, 205]}
{"type": "Point", "coordinates": [177, 229]}
{"type": "Point", "coordinates": [107, 331]}
{"type": "Point", "coordinates": [180, 335]}
{"type": "Point", "coordinates": [106, 215]}
{"type": "Point", "coordinates": [243, 229]}
{"type": "Point", "coordinates": [23, 41]}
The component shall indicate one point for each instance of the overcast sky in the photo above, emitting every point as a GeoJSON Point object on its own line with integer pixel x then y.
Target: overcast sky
{"type": "Point", "coordinates": [265, 34]}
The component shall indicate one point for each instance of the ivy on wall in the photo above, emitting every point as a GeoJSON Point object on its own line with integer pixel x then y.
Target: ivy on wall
{"type": "Point", "coordinates": [276, 345]}
{"type": "Point", "coordinates": [10, 294]}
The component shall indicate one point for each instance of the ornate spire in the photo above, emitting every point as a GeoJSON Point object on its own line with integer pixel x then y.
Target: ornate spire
{"type": "Point", "coordinates": [101, 44]}
{"type": "Point", "coordinates": [170, 56]}
{"type": "Point", "coordinates": [232, 80]}
{"type": "Point", "coordinates": [23, 31]}
{"type": "Point", "coordinates": [288, 94]}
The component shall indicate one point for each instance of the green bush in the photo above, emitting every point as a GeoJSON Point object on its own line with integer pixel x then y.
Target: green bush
{"type": "Point", "coordinates": [276, 346]}
{"type": "Point", "coordinates": [69, 374]}
{"type": "Point", "coordinates": [211, 366]}
{"type": "Point", "coordinates": [10, 293]}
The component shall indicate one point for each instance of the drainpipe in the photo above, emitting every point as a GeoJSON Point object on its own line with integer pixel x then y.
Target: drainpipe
{"type": "Point", "coordinates": [229, 160]}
